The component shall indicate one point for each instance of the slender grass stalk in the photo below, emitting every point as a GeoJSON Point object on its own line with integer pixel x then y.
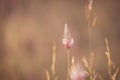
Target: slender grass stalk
{"type": "Point", "coordinates": [91, 59]}
{"type": "Point", "coordinates": [47, 75]}
{"type": "Point", "coordinates": [110, 64]}
{"type": "Point", "coordinates": [89, 62]}
{"type": "Point", "coordinates": [53, 61]}
{"type": "Point", "coordinates": [90, 36]}
{"type": "Point", "coordinates": [52, 76]}
{"type": "Point", "coordinates": [68, 65]}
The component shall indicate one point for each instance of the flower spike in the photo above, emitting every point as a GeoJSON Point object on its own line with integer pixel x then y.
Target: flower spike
{"type": "Point", "coordinates": [67, 40]}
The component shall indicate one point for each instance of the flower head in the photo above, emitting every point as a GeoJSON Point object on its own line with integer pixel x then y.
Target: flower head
{"type": "Point", "coordinates": [68, 40]}
{"type": "Point", "coordinates": [77, 72]}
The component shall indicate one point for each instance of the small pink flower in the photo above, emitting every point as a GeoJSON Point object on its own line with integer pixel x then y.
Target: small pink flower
{"type": "Point", "coordinates": [77, 72]}
{"type": "Point", "coordinates": [68, 40]}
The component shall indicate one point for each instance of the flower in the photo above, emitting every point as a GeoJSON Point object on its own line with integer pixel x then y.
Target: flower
{"type": "Point", "coordinates": [77, 72]}
{"type": "Point", "coordinates": [68, 40]}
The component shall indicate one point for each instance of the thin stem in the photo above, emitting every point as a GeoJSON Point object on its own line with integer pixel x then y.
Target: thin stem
{"type": "Point", "coordinates": [90, 36]}
{"type": "Point", "coordinates": [68, 66]}
{"type": "Point", "coordinates": [90, 48]}
{"type": "Point", "coordinates": [53, 61]}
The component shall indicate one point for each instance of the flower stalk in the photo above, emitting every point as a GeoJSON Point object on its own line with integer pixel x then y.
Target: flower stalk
{"type": "Point", "coordinates": [67, 41]}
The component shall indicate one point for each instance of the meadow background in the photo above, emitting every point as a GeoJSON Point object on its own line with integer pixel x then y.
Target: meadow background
{"type": "Point", "coordinates": [28, 28]}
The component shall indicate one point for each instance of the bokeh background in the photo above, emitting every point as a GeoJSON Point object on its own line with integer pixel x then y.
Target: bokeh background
{"type": "Point", "coordinates": [28, 28]}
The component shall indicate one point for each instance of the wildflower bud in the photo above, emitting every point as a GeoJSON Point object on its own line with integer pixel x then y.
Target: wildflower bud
{"type": "Point", "coordinates": [67, 40]}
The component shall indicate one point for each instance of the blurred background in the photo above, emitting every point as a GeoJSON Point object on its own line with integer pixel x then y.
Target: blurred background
{"type": "Point", "coordinates": [28, 28]}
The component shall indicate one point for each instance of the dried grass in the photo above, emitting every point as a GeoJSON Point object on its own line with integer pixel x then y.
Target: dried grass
{"type": "Point", "coordinates": [88, 62]}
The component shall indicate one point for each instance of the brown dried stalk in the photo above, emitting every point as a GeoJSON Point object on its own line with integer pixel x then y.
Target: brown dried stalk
{"type": "Point", "coordinates": [53, 68]}
{"type": "Point", "coordinates": [53, 60]}
{"type": "Point", "coordinates": [111, 65]}
{"type": "Point", "coordinates": [47, 74]}
{"type": "Point", "coordinates": [91, 22]}
{"type": "Point", "coordinates": [88, 63]}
